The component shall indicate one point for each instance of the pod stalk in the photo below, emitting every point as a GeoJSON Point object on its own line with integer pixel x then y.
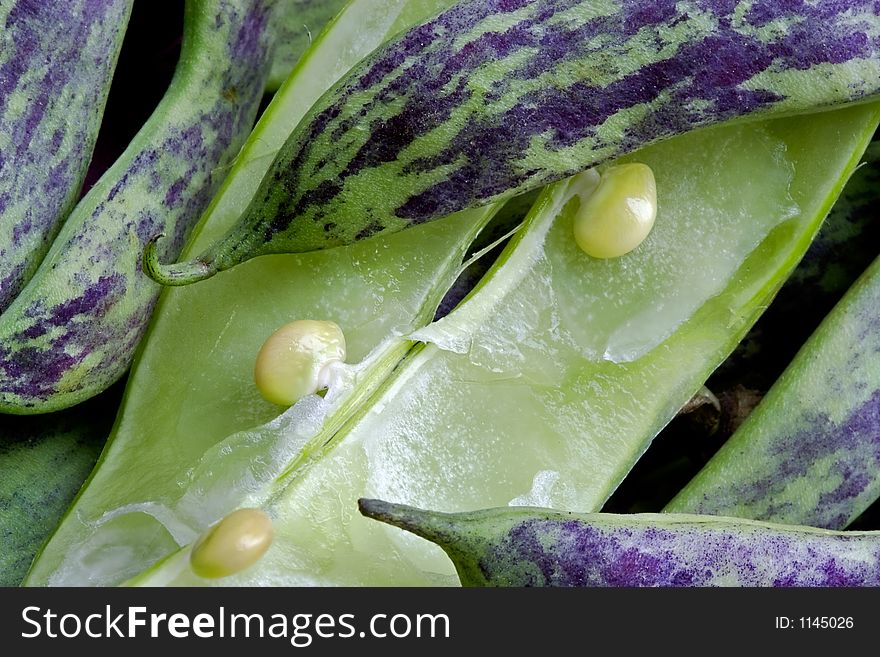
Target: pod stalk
{"type": "Point", "coordinates": [176, 274]}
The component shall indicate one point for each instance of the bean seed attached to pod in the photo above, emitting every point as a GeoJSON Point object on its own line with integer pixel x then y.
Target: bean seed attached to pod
{"type": "Point", "coordinates": [298, 360]}
{"type": "Point", "coordinates": [619, 214]}
{"type": "Point", "coordinates": [233, 544]}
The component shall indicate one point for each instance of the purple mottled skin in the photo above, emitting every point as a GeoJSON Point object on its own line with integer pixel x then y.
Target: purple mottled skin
{"type": "Point", "coordinates": [539, 547]}
{"type": "Point", "coordinates": [73, 331]}
{"type": "Point", "coordinates": [855, 446]}
{"type": "Point", "coordinates": [810, 451]}
{"type": "Point", "coordinates": [646, 71]}
{"type": "Point", "coordinates": [56, 64]}
{"type": "Point", "coordinates": [710, 70]}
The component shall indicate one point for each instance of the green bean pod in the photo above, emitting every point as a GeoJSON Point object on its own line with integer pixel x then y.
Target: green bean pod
{"type": "Point", "coordinates": [842, 250]}
{"type": "Point", "coordinates": [299, 22]}
{"type": "Point", "coordinates": [495, 97]}
{"type": "Point", "coordinates": [44, 460]}
{"type": "Point", "coordinates": [781, 458]}
{"type": "Point", "coordinates": [810, 451]}
{"type": "Point", "coordinates": [539, 547]}
{"type": "Point", "coordinates": [73, 330]}
{"type": "Point", "coordinates": [56, 63]}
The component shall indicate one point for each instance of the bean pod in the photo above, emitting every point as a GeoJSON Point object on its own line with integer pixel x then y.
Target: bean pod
{"type": "Point", "coordinates": [73, 331]}
{"type": "Point", "coordinates": [56, 63]}
{"type": "Point", "coordinates": [810, 452]}
{"type": "Point", "coordinates": [493, 98]}
{"type": "Point", "coordinates": [810, 464]}
{"type": "Point", "coordinates": [299, 23]}
{"type": "Point", "coordinates": [842, 250]}
{"type": "Point", "coordinates": [44, 460]}
{"type": "Point", "coordinates": [537, 547]}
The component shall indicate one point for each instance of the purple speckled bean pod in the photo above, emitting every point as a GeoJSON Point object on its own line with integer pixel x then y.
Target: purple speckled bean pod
{"type": "Point", "coordinates": [56, 62]}
{"type": "Point", "coordinates": [518, 546]}
{"type": "Point", "coordinates": [74, 328]}
{"type": "Point", "coordinates": [496, 97]}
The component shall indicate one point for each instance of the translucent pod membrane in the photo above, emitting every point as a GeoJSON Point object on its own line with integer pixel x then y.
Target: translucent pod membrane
{"type": "Point", "coordinates": [619, 213]}
{"type": "Point", "coordinates": [233, 544]}
{"type": "Point", "coordinates": [298, 359]}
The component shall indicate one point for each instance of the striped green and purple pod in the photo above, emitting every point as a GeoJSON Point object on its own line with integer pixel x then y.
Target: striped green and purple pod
{"type": "Point", "coordinates": [512, 546]}
{"type": "Point", "coordinates": [74, 329]}
{"type": "Point", "coordinates": [495, 97]}
{"type": "Point", "coordinates": [56, 63]}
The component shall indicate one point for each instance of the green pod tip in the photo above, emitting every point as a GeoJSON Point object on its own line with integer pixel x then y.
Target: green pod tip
{"type": "Point", "coordinates": [431, 525]}
{"type": "Point", "coordinates": [461, 536]}
{"type": "Point", "coordinates": [181, 273]}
